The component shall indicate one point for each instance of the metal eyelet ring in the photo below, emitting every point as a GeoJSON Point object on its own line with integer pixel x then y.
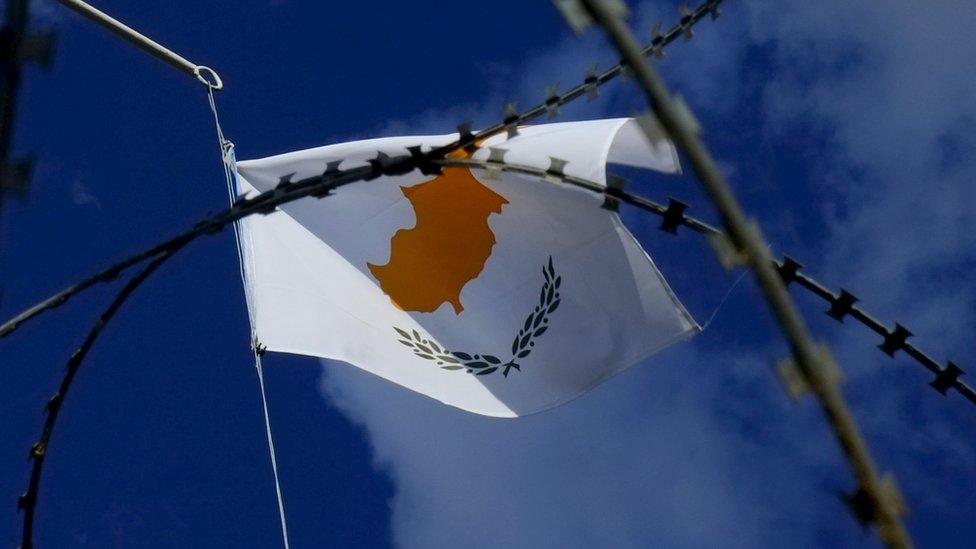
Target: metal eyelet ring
{"type": "Point", "coordinates": [211, 79]}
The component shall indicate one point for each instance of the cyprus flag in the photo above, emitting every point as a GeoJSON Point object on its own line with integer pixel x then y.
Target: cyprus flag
{"type": "Point", "coordinates": [500, 295]}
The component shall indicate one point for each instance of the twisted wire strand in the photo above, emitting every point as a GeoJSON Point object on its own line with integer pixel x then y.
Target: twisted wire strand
{"type": "Point", "coordinates": [322, 185]}
{"type": "Point", "coordinates": [811, 366]}
{"type": "Point", "coordinates": [288, 191]}
{"type": "Point", "coordinates": [265, 203]}
{"type": "Point", "coordinates": [672, 216]}
{"type": "Point", "coordinates": [28, 501]}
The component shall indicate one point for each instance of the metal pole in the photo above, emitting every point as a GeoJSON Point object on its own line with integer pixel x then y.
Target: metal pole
{"type": "Point", "coordinates": [13, 31]}
{"type": "Point", "coordinates": [17, 47]}
{"type": "Point", "coordinates": [147, 44]}
{"type": "Point", "coordinates": [748, 241]}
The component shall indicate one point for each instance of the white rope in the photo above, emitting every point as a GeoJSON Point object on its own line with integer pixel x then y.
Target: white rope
{"type": "Point", "coordinates": [228, 161]}
{"type": "Point", "coordinates": [271, 448]}
{"type": "Point", "coordinates": [227, 158]}
{"type": "Point", "coordinates": [724, 299]}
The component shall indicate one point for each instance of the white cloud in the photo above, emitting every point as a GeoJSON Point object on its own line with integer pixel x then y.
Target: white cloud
{"type": "Point", "coordinates": [660, 456]}
{"type": "Point", "coordinates": [81, 195]}
{"type": "Point", "coordinates": [642, 458]}
{"type": "Point", "coordinates": [889, 81]}
{"type": "Point", "coordinates": [45, 12]}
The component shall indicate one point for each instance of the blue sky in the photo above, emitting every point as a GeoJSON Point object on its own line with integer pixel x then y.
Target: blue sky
{"type": "Point", "coordinates": [846, 129]}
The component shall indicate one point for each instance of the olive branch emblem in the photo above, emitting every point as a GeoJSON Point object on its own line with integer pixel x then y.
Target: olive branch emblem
{"type": "Point", "coordinates": [535, 325]}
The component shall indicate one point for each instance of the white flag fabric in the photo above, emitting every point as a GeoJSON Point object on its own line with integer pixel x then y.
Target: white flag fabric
{"type": "Point", "coordinates": [501, 296]}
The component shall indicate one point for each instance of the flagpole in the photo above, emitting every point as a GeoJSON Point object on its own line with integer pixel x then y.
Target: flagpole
{"type": "Point", "coordinates": [204, 74]}
{"type": "Point", "coordinates": [812, 361]}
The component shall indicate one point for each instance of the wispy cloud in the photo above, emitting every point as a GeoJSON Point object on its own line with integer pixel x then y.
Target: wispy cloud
{"type": "Point", "coordinates": [83, 196]}
{"type": "Point", "coordinates": [718, 458]}
{"type": "Point", "coordinates": [46, 12]}
{"type": "Point", "coordinates": [644, 458]}
{"type": "Point", "coordinates": [887, 82]}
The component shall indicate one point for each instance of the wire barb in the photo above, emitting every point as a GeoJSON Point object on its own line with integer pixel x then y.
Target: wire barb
{"type": "Point", "coordinates": [591, 84]}
{"type": "Point", "coordinates": [466, 138]}
{"type": "Point", "coordinates": [510, 118]}
{"type": "Point", "coordinates": [615, 186]}
{"type": "Point", "coordinates": [841, 306]}
{"type": "Point", "coordinates": [686, 22]}
{"type": "Point", "coordinates": [895, 340]}
{"type": "Point", "coordinates": [552, 101]}
{"type": "Point", "coordinates": [674, 216]}
{"type": "Point", "coordinates": [946, 378]}
{"type": "Point", "coordinates": [657, 41]}
{"type": "Point", "coordinates": [788, 270]}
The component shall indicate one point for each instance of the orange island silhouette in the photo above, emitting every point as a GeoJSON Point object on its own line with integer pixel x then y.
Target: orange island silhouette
{"type": "Point", "coordinates": [447, 248]}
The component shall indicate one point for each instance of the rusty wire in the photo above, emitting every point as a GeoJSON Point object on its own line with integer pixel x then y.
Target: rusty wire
{"type": "Point", "coordinates": [841, 304]}
{"type": "Point", "coordinates": [265, 203]}
{"type": "Point", "coordinates": [334, 178]}
{"type": "Point", "coordinates": [28, 501]}
{"type": "Point", "coordinates": [672, 215]}
{"type": "Point", "coordinates": [811, 368]}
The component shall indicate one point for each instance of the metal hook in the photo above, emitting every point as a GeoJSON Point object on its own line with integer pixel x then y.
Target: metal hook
{"type": "Point", "coordinates": [212, 81]}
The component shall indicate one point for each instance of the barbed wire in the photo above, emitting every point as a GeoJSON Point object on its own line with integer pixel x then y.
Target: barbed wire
{"type": "Point", "coordinates": [841, 304]}
{"type": "Point", "coordinates": [333, 177]}
{"type": "Point", "coordinates": [288, 191]}
{"type": "Point", "coordinates": [673, 216]}
{"type": "Point", "coordinates": [810, 368]}
{"type": "Point", "coordinates": [28, 501]}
